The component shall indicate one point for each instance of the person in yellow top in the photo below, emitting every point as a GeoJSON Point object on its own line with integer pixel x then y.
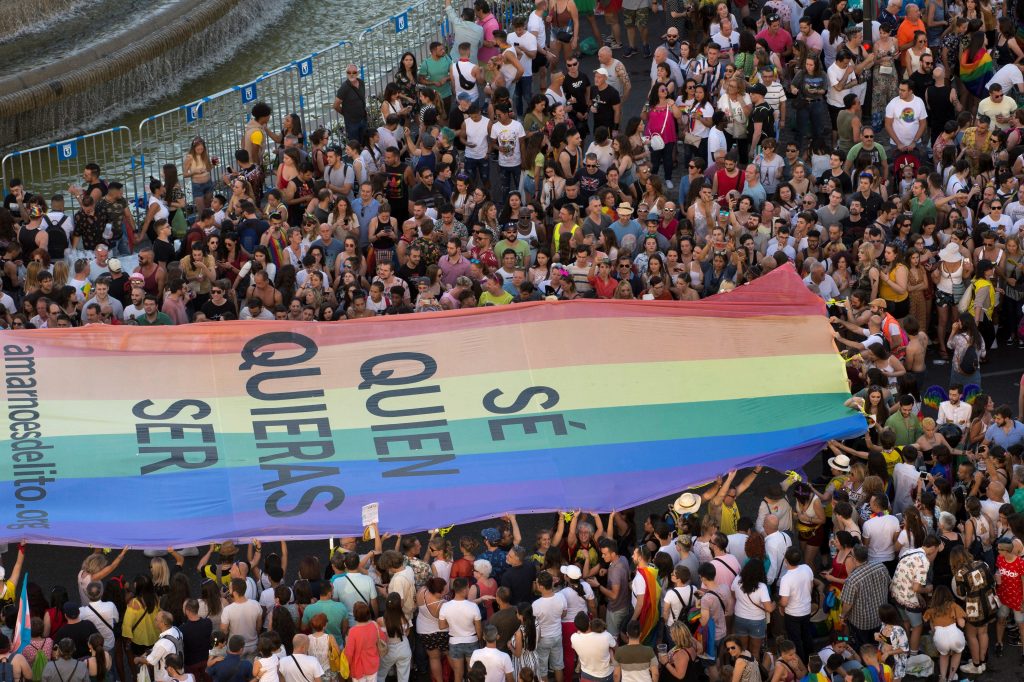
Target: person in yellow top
{"type": "Point", "coordinates": [721, 499]}
{"type": "Point", "coordinates": [8, 584]}
{"type": "Point", "coordinates": [494, 294]}
{"type": "Point", "coordinates": [893, 285]}
{"type": "Point", "coordinates": [984, 300]}
{"type": "Point", "coordinates": [139, 625]}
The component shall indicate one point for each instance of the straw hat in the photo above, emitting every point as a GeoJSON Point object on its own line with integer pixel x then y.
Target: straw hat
{"type": "Point", "coordinates": [687, 503]}
{"type": "Point", "coordinates": [840, 463]}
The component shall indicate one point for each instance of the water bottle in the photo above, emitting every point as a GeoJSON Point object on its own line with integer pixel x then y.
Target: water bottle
{"type": "Point", "coordinates": [108, 231]}
{"type": "Point", "coordinates": [832, 549]}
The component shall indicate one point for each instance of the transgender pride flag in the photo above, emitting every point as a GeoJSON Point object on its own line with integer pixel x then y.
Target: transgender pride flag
{"type": "Point", "coordinates": [23, 626]}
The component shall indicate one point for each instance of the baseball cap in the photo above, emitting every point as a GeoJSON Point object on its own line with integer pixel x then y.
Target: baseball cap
{"type": "Point", "coordinates": [757, 89]}
{"type": "Point", "coordinates": [465, 97]}
{"type": "Point", "coordinates": [601, 71]}
{"type": "Point", "coordinates": [137, 277]}
{"type": "Point", "coordinates": [114, 265]}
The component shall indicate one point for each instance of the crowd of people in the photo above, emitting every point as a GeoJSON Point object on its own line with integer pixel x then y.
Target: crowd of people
{"type": "Point", "coordinates": [885, 168]}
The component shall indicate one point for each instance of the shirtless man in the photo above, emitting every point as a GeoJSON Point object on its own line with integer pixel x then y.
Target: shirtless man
{"type": "Point", "coordinates": [917, 345]}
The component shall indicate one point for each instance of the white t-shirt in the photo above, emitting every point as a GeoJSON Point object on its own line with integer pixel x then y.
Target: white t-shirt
{"type": "Point", "coordinates": [1008, 76]}
{"type": "Point", "coordinates": [527, 41]}
{"type": "Point", "coordinates": [679, 600]}
{"type": "Point", "coordinates": [497, 662]}
{"type": "Point", "coordinates": [243, 619]}
{"type": "Point", "coordinates": [548, 612]}
{"type": "Point", "coordinates": [507, 137]}
{"type": "Point", "coordinates": [835, 96]}
{"type": "Point", "coordinates": [638, 588]}
{"type": "Point", "coordinates": [535, 25]}
{"type": "Point", "coordinates": [880, 532]}
{"type": "Point", "coordinates": [905, 477]}
{"type": "Point", "coordinates": [749, 605]}
{"type": "Point", "coordinates": [1004, 221]}
{"type": "Point", "coordinates": [906, 118]}
{"type": "Point", "coordinates": [716, 141]}
{"type": "Point", "coordinates": [300, 668]}
{"type": "Point", "coordinates": [594, 649]}
{"type": "Point", "coordinates": [574, 602]}
{"type": "Point", "coordinates": [104, 611]}
{"type": "Point", "coordinates": [461, 616]}
{"type": "Point", "coordinates": [797, 584]}
{"type": "Point", "coordinates": [7, 302]}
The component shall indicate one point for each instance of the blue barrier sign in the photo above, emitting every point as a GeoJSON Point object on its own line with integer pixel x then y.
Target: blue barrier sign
{"type": "Point", "coordinates": [248, 93]}
{"type": "Point", "coordinates": [67, 150]}
{"type": "Point", "coordinates": [305, 67]}
{"type": "Point", "coordinates": [193, 112]}
{"type": "Point", "coordinates": [402, 22]}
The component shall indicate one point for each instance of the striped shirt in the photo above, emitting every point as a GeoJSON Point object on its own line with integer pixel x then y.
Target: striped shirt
{"type": "Point", "coordinates": [635, 662]}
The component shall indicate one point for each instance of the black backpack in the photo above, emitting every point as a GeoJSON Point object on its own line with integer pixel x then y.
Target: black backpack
{"type": "Point", "coordinates": [57, 243]}
{"type": "Point", "coordinates": [969, 360]}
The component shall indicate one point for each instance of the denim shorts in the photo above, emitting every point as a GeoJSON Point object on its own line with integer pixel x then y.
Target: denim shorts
{"type": "Point", "coordinates": [1005, 611]}
{"type": "Point", "coordinates": [914, 617]}
{"type": "Point", "coordinates": [463, 650]}
{"type": "Point", "coordinates": [746, 627]}
{"type": "Point", "coordinates": [201, 189]}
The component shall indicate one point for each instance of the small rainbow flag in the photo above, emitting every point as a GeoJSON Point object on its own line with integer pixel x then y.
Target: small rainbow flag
{"type": "Point", "coordinates": [976, 73]}
{"type": "Point", "coordinates": [23, 626]}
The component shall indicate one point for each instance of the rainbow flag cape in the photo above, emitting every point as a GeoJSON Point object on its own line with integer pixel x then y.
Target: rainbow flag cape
{"type": "Point", "coordinates": [648, 611]}
{"type": "Point", "coordinates": [977, 73]}
{"type": "Point", "coordinates": [192, 434]}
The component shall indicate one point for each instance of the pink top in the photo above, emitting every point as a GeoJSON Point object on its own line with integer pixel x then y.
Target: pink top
{"type": "Point", "coordinates": [490, 25]}
{"type": "Point", "coordinates": [361, 649]}
{"type": "Point", "coordinates": [660, 121]}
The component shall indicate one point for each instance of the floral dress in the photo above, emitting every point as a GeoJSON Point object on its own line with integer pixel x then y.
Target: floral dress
{"type": "Point", "coordinates": [886, 83]}
{"type": "Point", "coordinates": [896, 637]}
{"type": "Point", "coordinates": [918, 302]}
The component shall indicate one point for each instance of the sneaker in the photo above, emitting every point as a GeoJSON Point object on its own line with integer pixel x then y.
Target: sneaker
{"type": "Point", "coordinates": [995, 344]}
{"type": "Point", "coordinates": [646, 49]}
{"type": "Point", "coordinates": [615, 45]}
{"type": "Point", "coordinates": [630, 51]}
{"type": "Point", "coordinates": [668, 184]}
{"type": "Point", "coordinates": [981, 667]}
{"type": "Point", "coordinates": [940, 361]}
{"type": "Point", "coordinates": [608, 39]}
{"type": "Point", "coordinates": [1020, 343]}
{"type": "Point", "coordinates": [999, 649]}
{"type": "Point", "coordinates": [969, 668]}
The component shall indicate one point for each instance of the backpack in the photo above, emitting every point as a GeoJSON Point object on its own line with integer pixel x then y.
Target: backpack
{"type": "Point", "coordinates": [969, 361]}
{"type": "Point", "coordinates": [179, 647]}
{"type": "Point", "coordinates": [39, 665]}
{"type": "Point", "coordinates": [57, 243]}
{"type": "Point", "coordinates": [7, 670]}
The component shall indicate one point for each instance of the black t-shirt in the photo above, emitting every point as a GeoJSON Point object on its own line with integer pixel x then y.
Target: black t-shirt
{"type": "Point", "coordinates": [576, 89]}
{"type": "Point", "coordinates": [163, 252]}
{"type": "Point", "coordinates": [120, 287]}
{"type": "Point", "coordinates": [431, 196]}
{"type": "Point", "coordinates": [353, 102]}
{"type": "Point", "coordinates": [561, 201]}
{"type": "Point", "coordinates": [845, 184]}
{"type": "Point", "coordinates": [920, 82]}
{"type": "Point", "coordinates": [216, 312]}
{"type": "Point", "coordinates": [195, 639]}
{"type": "Point", "coordinates": [590, 182]}
{"type": "Point", "coordinates": [519, 580]}
{"type": "Point", "coordinates": [816, 13]}
{"type": "Point", "coordinates": [854, 230]}
{"type": "Point", "coordinates": [78, 633]}
{"type": "Point", "coordinates": [603, 105]}
{"type": "Point", "coordinates": [871, 205]}
{"type": "Point", "coordinates": [764, 114]}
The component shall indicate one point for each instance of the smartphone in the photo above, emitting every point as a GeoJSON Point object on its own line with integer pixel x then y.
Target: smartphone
{"type": "Point", "coordinates": [924, 475]}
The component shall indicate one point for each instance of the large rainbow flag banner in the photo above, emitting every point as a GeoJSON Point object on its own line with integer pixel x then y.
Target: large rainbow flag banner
{"type": "Point", "coordinates": [150, 437]}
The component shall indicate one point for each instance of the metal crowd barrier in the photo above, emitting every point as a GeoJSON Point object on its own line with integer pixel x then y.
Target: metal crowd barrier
{"type": "Point", "coordinates": [306, 86]}
{"type": "Point", "coordinates": [51, 168]}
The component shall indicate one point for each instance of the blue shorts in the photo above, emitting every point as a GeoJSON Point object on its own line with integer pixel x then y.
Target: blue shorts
{"type": "Point", "coordinates": [463, 650]}
{"type": "Point", "coordinates": [912, 616]}
{"type": "Point", "coordinates": [201, 189]}
{"type": "Point", "coordinates": [746, 627]}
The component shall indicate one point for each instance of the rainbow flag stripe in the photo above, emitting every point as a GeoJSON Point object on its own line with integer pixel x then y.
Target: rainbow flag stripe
{"type": "Point", "coordinates": [977, 73]}
{"type": "Point", "coordinates": [150, 437]}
